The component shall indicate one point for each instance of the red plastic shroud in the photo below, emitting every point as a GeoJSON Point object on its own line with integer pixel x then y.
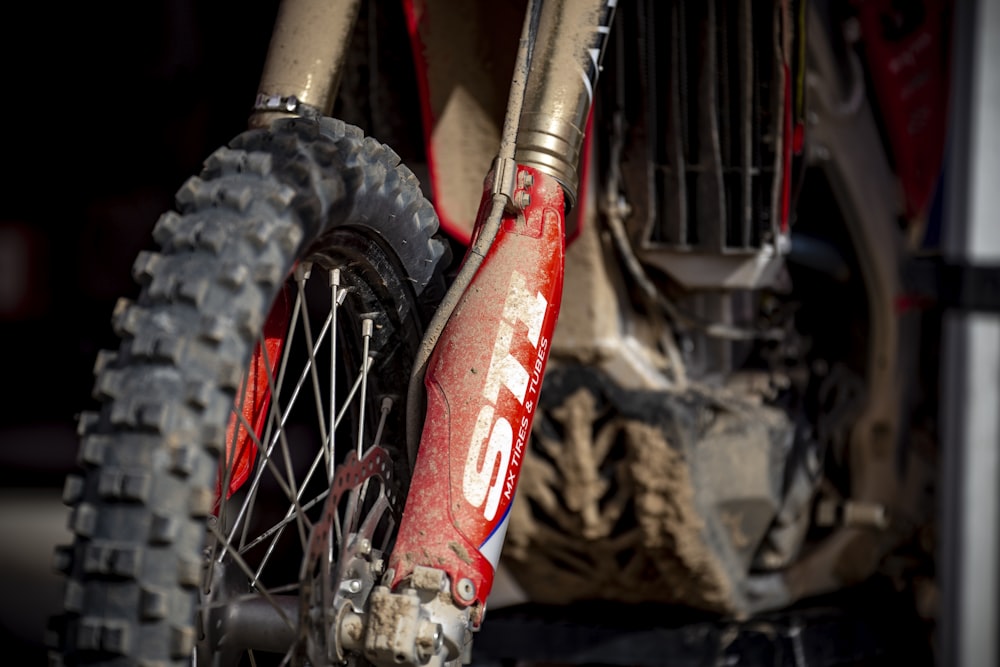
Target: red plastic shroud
{"type": "Point", "coordinates": [482, 384]}
{"type": "Point", "coordinates": [907, 59]}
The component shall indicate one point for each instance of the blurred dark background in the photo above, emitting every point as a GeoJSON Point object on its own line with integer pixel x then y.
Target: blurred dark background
{"type": "Point", "coordinates": [108, 108]}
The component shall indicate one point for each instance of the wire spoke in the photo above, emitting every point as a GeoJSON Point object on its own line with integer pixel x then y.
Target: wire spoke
{"type": "Point", "coordinates": [278, 477]}
{"type": "Point", "coordinates": [336, 298]}
{"type": "Point", "coordinates": [312, 470]}
{"type": "Point", "coordinates": [331, 447]}
{"type": "Point", "coordinates": [384, 411]}
{"type": "Point", "coordinates": [311, 348]}
{"type": "Point", "coordinates": [266, 461]}
{"type": "Point", "coordinates": [280, 384]}
{"type": "Point", "coordinates": [279, 526]}
{"type": "Point", "coordinates": [281, 421]}
{"type": "Point", "coordinates": [366, 335]}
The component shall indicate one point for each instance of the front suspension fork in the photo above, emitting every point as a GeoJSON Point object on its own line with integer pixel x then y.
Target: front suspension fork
{"type": "Point", "coordinates": [485, 373]}
{"type": "Point", "coordinates": [483, 378]}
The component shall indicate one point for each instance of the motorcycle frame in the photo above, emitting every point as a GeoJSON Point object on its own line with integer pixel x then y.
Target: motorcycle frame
{"type": "Point", "coordinates": [510, 281]}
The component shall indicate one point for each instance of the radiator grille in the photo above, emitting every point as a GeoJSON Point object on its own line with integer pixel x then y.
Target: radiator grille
{"type": "Point", "coordinates": [715, 79]}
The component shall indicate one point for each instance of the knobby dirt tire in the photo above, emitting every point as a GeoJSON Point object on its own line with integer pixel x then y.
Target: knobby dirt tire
{"type": "Point", "coordinates": [301, 193]}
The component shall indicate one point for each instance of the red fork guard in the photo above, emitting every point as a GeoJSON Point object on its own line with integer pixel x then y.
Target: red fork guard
{"type": "Point", "coordinates": [482, 385]}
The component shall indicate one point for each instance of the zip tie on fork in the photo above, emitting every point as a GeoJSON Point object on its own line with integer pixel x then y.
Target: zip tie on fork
{"type": "Point", "coordinates": [502, 191]}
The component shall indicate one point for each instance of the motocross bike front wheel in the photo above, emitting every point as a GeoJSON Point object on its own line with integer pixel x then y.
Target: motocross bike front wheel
{"type": "Point", "coordinates": [245, 471]}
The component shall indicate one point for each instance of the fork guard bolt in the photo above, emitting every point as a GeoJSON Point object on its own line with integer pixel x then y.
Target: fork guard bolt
{"type": "Point", "coordinates": [466, 590]}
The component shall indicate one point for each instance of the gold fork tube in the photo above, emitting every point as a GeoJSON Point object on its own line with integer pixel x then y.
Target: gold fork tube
{"type": "Point", "coordinates": [560, 88]}
{"type": "Point", "coordinates": [306, 56]}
